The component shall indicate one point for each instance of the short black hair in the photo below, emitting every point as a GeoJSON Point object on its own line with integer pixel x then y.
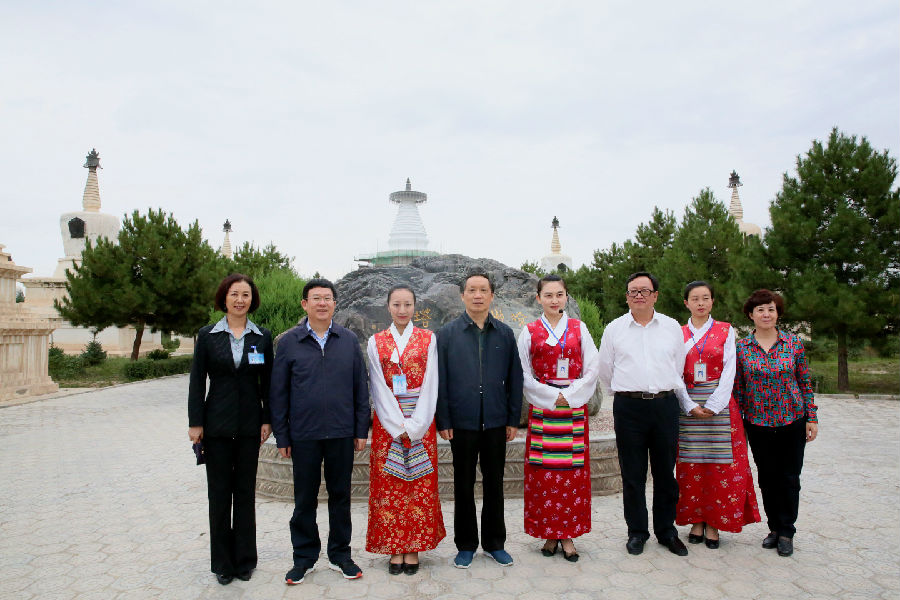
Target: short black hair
{"type": "Point", "coordinates": [318, 282]}
{"type": "Point", "coordinates": [401, 286]}
{"type": "Point", "coordinates": [226, 284]}
{"type": "Point", "coordinates": [550, 278]}
{"type": "Point", "coordinates": [696, 284]}
{"type": "Point", "coordinates": [475, 273]}
{"type": "Point", "coordinates": [764, 296]}
{"type": "Point", "coordinates": [652, 279]}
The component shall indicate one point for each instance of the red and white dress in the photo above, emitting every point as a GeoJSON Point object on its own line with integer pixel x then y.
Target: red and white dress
{"type": "Point", "coordinates": [404, 510]}
{"type": "Point", "coordinates": [714, 479]}
{"type": "Point", "coordinates": [557, 455]}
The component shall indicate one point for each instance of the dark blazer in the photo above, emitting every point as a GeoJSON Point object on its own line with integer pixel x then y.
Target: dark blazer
{"type": "Point", "coordinates": [319, 394]}
{"type": "Point", "coordinates": [460, 384]}
{"type": "Point", "coordinates": [238, 398]}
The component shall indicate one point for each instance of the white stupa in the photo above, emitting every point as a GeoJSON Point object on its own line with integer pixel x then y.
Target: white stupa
{"type": "Point", "coordinates": [225, 250]}
{"type": "Point", "coordinates": [408, 238]}
{"type": "Point", "coordinates": [551, 263]}
{"type": "Point", "coordinates": [737, 211]}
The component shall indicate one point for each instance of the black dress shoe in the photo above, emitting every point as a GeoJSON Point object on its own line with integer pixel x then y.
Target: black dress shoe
{"type": "Point", "coordinates": [635, 544]}
{"type": "Point", "coordinates": [395, 568]}
{"type": "Point", "coordinates": [245, 576]}
{"type": "Point", "coordinates": [771, 541]}
{"type": "Point", "coordinates": [675, 546]}
{"type": "Point", "coordinates": [410, 568]}
{"type": "Point", "coordinates": [712, 544]}
{"type": "Point", "coordinates": [224, 579]}
{"type": "Point", "coordinates": [548, 552]}
{"type": "Point", "coordinates": [694, 538]}
{"type": "Point", "coordinates": [785, 546]}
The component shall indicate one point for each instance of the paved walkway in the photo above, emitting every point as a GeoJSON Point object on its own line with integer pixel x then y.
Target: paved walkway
{"type": "Point", "coordinates": [99, 499]}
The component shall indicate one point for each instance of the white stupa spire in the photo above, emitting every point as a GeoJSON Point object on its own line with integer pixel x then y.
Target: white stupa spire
{"type": "Point", "coordinates": [226, 244]}
{"type": "Point", "coordinates": [91, 199]}
{"type": "Point", "coordinates": [736, 210]}
{"type": "Point", "coordinates": [552, 261]}
{"type": "Point", "coordinates": [408, 231]}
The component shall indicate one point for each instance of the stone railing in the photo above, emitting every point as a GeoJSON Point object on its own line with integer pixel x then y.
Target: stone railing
{"type": "Point", "coordinates": [274, 478]}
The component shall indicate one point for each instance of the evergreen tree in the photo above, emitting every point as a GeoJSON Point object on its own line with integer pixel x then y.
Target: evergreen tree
{"type": "Point", "coordinates": [255, 262]}
{"type": "Point", "coordinates": [280, 293]}
{"type": "Point", "coordinates": [157, 276]}
{"type": "Point", "coordinates": [835, 240]}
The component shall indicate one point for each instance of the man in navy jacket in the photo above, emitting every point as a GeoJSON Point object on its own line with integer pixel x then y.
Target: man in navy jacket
{"type": "Point", "coordinates": [319, 400]}
{"type": "Point", "coordinates": [478, 409]}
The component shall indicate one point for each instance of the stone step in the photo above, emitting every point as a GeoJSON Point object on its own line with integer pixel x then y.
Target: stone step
{"type": "Point", "coordinates": [274, 478]}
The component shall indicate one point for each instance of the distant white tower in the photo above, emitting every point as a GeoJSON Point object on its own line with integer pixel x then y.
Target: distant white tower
{"type": "Point", "coordinates": [226, 244]}
{"type": "Point", "coordinates": [737, 211]}
{"type": "Point", "coordinates": [408, 232]}
{"type": "Point", "coordinates": [552, 261]}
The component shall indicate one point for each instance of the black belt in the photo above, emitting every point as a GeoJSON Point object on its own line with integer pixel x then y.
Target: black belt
{"type": "Point", "coordinates": [645, 395]}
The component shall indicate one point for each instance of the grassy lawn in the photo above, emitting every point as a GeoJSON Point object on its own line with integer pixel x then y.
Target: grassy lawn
{"type": "Point", "coordinates": [108, 372]}
{"type": "Point", "coordinates": [867, 375]}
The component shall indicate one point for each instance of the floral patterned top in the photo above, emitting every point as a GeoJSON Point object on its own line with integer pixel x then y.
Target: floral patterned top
{"type": "Point", "coordinates": [773, 388]}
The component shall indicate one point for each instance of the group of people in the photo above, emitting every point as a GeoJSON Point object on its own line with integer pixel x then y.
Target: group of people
{"type": "Point", "coordinates": [688, 397]}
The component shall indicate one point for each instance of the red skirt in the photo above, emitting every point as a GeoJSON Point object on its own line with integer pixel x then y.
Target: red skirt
{"type": "Point", "coordinates": [558, 501]}
{"type": "Point", "coordinates": [404, 516]}
{"type": "Point", "coordinates": [720, 495]}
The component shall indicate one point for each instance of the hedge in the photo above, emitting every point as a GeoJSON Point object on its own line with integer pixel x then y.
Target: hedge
{"type": "Point", "coordinates": [146, 368]}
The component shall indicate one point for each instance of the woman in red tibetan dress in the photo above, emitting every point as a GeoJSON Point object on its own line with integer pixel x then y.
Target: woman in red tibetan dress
{"type": "Point", "coordinates": [714, 479]}
{"type": "Point", "coordinates": [561, 374]}
{"type": "Point", "coordinates": [404, 510]}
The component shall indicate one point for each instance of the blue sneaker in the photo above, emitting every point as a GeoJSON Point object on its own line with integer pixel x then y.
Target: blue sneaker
{"type": "Point", "coordinates": [463, 559]}
{"type": "Point", "coordinates": [502, 557]}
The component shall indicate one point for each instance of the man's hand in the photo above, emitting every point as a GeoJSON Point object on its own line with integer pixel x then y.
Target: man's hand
{"type": "Point", "coordinates": [812, 431]}
{"type": "Point", "coordinates": [446, 434]}
{"type": "Point", "coordinates": [264, 432]}
{"type": "Point", "coordinates": [195, 433]}
{"type": "Point", "coordinates": [561, 401]}
{"type": "Point", "coordinates": [285, 452]}
{"type": "Point", "coordinates": [359, 444]}
{"type": "Point", "coordinates": [511, 433]}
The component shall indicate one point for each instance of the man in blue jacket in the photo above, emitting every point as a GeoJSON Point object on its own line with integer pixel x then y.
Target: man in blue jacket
{"type": "Point", "coordinates": [319, 400]}
{"type": "Point", "coordinates": [478, 409]}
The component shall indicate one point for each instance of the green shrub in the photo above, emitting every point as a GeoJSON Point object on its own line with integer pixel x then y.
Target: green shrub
{"type": "Point", "coordinates": [158, 354]}
{"type": "Point", "coordinates": [93, 354]}
{"type": "Point", "coordinates": [169, 343]}
{"type": "Point", "coordinates": [64, 366]}
{"type": "Point", "coordinates": [590, 316]}
{"type": "Point", "coordinates": [145, 368]}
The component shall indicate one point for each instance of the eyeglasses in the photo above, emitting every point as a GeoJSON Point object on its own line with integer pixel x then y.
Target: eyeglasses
{"type": "Point", "coordinates": [325, 299]}
{"type": "Point", "coordinates": [644, 292]}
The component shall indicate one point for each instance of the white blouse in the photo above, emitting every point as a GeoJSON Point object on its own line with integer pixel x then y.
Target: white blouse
{"type": "Point", "coordinates": [541, 395]}
{"type": "Point", "coordinates": [386, 407]}
{"type": "Point", "coordinates": [718, 400]}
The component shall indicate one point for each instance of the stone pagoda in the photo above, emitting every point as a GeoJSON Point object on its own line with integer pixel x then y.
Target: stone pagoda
{"type": "Point", "coordinates": [556, 259]}
{"type": "Point", "coordinates": [408, 238]}
{"type": "Point", "coordinates": [225, 250]}
{"type": "Point", "coordinates": [737, 211]}
{"type": "Point", "coordinates": [24, 340]}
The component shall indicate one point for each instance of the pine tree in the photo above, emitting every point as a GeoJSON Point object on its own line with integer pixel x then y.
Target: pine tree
{"type": "Point", "coordinates": [835, 240]}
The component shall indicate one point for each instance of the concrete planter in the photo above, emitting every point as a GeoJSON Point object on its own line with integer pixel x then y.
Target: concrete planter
{"type": "Point", "coordinates": [274, 479]}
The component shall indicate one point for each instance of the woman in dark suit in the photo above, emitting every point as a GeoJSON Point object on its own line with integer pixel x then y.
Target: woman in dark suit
{"type": "Point", "coordinates": [233, 421]}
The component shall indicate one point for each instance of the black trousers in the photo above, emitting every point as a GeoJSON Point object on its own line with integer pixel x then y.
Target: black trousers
{"type": "Point", "coordinates": [648, 427]}
{"type": "Point", "coordinates": [307, 458]}
{"type": "Point", "coordinates": [467, 446]}
{"type": "Point", "coordinates": [778, 454]}
{"type": "Point", "coordinates": [231, 488]}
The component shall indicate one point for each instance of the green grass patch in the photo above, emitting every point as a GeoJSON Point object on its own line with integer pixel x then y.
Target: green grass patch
{"type": "Point", "coordinates": [867, 375]}
{"type": "Point", "coordinates": [109, 372]}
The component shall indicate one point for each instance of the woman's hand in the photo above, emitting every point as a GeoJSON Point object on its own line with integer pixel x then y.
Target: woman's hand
{"type": "Point", "coordinates": [701, 412]}
{"type": "Point", "coordinates": [812, 431]}
{"type": "Point", "coordinates": [264, 432]}
{"type": "Point", "coordinates": [195, 433]}
{"type": "Point", "coordinates": [404, 437]}
{"type": "Point", "coordinates": [561, 401]}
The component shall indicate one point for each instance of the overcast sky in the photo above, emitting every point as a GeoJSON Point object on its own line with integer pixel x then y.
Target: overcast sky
{"type": "Point", "coordinates": [296, 120]}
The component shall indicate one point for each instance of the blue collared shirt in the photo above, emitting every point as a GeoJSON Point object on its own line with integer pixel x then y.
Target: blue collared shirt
{"type": "Point", "coordinates": [237, 344]}
{"type": "Point", "coordinates": [315, 335]}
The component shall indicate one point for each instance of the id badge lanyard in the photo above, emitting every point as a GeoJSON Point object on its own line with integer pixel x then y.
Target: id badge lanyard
{"type": "Point", "coordinates": [700, 366]}
{"type": "Point", "coordinates": [399, 381]}
{"type": "Point", "coordinates": [562, 363]}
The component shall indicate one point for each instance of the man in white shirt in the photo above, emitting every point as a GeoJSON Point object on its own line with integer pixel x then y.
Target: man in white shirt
{"type": "Point", "coordinates": [641, 360]}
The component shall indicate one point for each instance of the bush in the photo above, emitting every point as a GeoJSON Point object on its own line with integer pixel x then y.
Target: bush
{"type": "Point", "coordinates": [93, 354]}
{"type": "Point", "coordinates": [158, 354]}
{"type": "Point", "coordinates": [169, 343]}
{"type": "Point", "coordinates": [64, 366]}
{"type": "Point", "coordinates": [590, 316]}
{"type": "Point", "coordinates": [147, 369]}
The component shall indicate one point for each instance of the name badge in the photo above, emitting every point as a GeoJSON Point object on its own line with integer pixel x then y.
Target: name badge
{"type": "Point", "coordinates": [562, 368]}
{"type": "Point", "coordinates": [699, 372]}
{"type": "Point", "coordinates": [254, 357]}
{"type": "Point", "coordinates": [399, 384]}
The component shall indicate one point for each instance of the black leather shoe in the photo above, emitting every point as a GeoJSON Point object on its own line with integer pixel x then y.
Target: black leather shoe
{"type": "Point", "coordinates": [785, 546]}
{"type": "Point", "coordinates": [224, 579]}
{"type": "Point", "coordinates": [694, 538]}
{"type": "Point", "coordinates": [712, 544]}
{"type": "Point", "coordinates": [771, 541]}
{"type": "Point", "coordinates": [675, 546]}
{"type": "Point", "coordinates": [548, 552]}
{"type": "Point", "coordinates": [410, 568]}
{"type": "Point", "coordinates": [635, 544]}
{"type": "Point", "coordinates": [395, 568]}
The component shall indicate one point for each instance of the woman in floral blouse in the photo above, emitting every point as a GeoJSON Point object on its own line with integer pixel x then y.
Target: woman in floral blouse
{"type": "Point", "coordinates": [772, 388]}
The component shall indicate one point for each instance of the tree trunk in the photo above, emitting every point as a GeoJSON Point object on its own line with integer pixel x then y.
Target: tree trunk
{"type": "Point", "coordinates": [138, 334]}
{"type": "Point", "coordinates": [843, 376]}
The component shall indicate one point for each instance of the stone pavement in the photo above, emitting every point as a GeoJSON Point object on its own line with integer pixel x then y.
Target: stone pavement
{"type": "Point", "coordinates": [99, 499]}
